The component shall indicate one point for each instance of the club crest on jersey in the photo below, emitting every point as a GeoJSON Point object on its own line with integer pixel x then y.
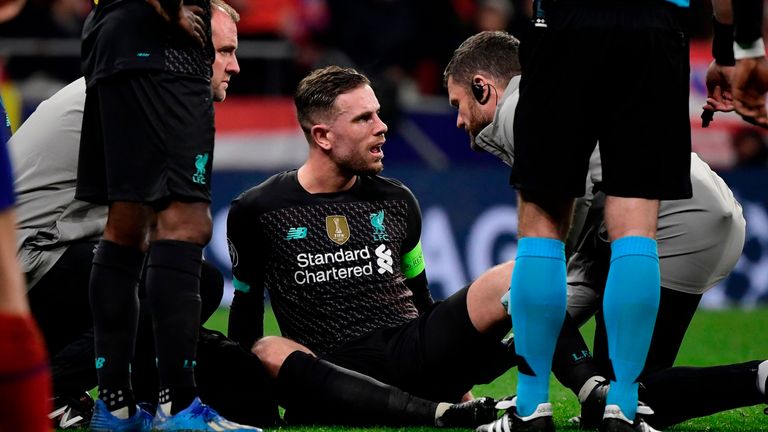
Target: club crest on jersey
{"type": "Point", "coordinates": [379, 230]}
{"type": "Point", "coordinates": [201, 161]}
{"type": "Point", "coordinates": [337, 228]}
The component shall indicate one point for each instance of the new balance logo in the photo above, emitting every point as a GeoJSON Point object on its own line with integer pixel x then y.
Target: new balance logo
{"type": "Point", "coordinates": [296, 233]}
{"type": "Point", "coordinates": [384, 259]}
{"type": "Point", "coordinates": [67, 421]}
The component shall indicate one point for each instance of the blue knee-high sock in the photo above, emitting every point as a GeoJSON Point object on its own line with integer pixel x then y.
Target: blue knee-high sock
{"type": "Point", "coordinates": [537, 305]}
{"type": "Point", "coordinates": [630, 306]}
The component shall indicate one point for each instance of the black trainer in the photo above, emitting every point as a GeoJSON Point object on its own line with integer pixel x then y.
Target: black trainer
{"type": "Point", "coordinates": [539, 421]}
{"type": "Point", "coordinates": [469, 414]}
{"type": "Point", "coordinates": [615, 421]}
{"type": "Point", "coordinates": [593, 407]}
{"type": "Point", "coordinates": [72, 412]}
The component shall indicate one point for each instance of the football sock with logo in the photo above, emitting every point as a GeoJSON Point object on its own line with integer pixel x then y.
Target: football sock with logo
{"type": "Point", "coordinates": [314, 390]}
{"type": "Point", "coordinates": [25, 388]}
{"type": "Point", "coordinates": [630, 305]}
{"type": "Point", "coordinates": [115, 307]}
{"type": "Point", "coordinates": [573, 364]}
{"type": "Point", "coordinates": [173, 292]}
{"type": "Point", "coordinates": [681, 393]}
{"type": "Point", "coordinates": [537, 302]}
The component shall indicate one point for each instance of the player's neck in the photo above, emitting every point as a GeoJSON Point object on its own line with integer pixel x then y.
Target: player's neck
{"type": "Point", "coordinates": [326, 179]}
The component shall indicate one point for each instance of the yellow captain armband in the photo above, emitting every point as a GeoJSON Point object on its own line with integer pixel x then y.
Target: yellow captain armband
{"type": "Point", "coordinates": [412, 263]}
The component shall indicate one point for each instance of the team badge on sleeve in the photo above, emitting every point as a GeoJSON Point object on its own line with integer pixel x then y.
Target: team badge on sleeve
{"type": "Point", "coordinates": [232, 253]}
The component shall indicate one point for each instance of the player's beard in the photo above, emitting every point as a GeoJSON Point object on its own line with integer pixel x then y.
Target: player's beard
{"type": "Point", "coordinates": [353, 164]}
{"type": "Point", "coordinates": [477, 122]}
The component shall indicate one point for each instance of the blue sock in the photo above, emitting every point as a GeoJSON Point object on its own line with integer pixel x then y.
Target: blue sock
{"type": "Point", "coordinates": [537, 301]}
{"type": "Point", "coordinates": [630, 306]}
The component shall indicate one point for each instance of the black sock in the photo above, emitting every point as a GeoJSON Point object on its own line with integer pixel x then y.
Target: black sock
{"type": "Point", "coordinates": [173, 291]}
{"type": "Point", "coordinates": [573, 364]}
{"type": "Point", "coordinates": [316, 391]}
{"type": "Point", "coordinates": [180, 397]}
{"type": "Point", "coordinates": [682, 393]}
{"type": "Point", "coordinates": [115, 308]}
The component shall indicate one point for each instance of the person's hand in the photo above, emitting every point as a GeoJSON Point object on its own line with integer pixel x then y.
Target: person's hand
{"type": "Point", "coordinates": [750, 84]}
{"type": "Point", "coordinates": [190, 21]}
{"type": "Point", "coordinates": [719, 95]}
{"type": "Point", "coordinates": [467, 396]}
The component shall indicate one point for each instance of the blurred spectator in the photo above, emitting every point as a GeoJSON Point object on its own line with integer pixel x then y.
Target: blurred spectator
{"type": "Point", "coordinates": [35, 76]}
{"type": "Point", "coordinates": [269, 18]}
{"type": "Point", "coordinates": [402, 45]}
{"type": "Point", "coordinates": [493, 15]}
{"type": "Point", "coordinates": [9, 9]}
{"type": "Point", "coordinates": [749, 145]}
{"type": "Point", "coordinates": [266, 30]}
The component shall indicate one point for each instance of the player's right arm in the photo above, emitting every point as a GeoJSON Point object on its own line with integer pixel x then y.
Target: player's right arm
{"type": "Point", "coordinates": [246, 317]}
{"type": "Point", "coordinates": [412, 261]}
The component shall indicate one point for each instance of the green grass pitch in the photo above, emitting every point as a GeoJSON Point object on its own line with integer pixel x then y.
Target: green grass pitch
{"type": "Point", "coordinates": [715, 337]}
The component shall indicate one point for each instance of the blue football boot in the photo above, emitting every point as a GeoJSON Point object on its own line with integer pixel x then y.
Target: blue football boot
{"type": "Point", "coordinates": [104, 421]}
{"type": "Point", "coordinates": [196, 417]}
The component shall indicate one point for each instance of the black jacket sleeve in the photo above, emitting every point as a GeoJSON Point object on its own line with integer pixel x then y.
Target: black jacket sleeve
{"type": "Point", "coordinates": [246, 317]}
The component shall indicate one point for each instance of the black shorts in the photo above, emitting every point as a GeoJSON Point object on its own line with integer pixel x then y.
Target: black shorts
{"type": "Point", "coordinates": [146, 137]}
{"type": "Point", "coordinates": [615, 75]}
{"type": "Point", "coordinates": [438, 356]}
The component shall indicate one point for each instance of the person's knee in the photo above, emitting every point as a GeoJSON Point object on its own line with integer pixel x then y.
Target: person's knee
{"type": "Point", "coordinates": [484, 297]}
{"type": "Point", "coordinates": [544, 216]}
{"type": "Point", "coordinates": [189, 222]}
{"type": "Point", "coordinates": [273, 350]}
{"type": "Point", "coordinates": [127, 224]}
{"type": "Point", "coordinates": [626, 217]}
{"type": "Point", "coordinates": [201, 232]}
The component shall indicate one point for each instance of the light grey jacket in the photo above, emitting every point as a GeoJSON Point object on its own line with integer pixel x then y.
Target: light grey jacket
{"type": "Point", "coordinates": [44, 153]}
{"type": "Point", "coordinates": [699, 239]}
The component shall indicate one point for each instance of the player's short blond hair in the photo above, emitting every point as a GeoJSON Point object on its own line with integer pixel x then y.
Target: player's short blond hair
{"type": "Point", "coordinates": [221, 4]}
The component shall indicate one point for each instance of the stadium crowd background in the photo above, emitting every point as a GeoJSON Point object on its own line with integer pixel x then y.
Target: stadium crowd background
{"type": "Point", "coordinates": [403, 45]}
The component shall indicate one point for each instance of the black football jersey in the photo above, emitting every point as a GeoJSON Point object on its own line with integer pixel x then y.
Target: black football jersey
{"type": "Point", "coordinates": [335, 265]}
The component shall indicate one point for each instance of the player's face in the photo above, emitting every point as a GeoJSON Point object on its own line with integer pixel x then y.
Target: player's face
{"type": "Point", "coordinates": [224, 37]}
{"type": "Point", "coordinates": [471, 116]}
{"type": "Point", "coordinates": [357, 132]}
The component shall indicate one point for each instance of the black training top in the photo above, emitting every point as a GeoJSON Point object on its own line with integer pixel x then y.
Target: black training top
{"type": "Point", "coordinates": [122, 35]}
{"type": "Point", "coordinates": [336, 265]}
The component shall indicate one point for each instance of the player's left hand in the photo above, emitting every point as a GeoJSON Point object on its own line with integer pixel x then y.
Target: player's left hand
{"type": "Point", "coordinates": [190, 20]}
{"type": "Point", "coordinates": [719, 95]}
{"type": "Point", "coordinates": [750, 85]}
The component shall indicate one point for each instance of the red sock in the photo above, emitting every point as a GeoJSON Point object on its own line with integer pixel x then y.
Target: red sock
{"type": "Point", "coordinates": [25, 382]}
